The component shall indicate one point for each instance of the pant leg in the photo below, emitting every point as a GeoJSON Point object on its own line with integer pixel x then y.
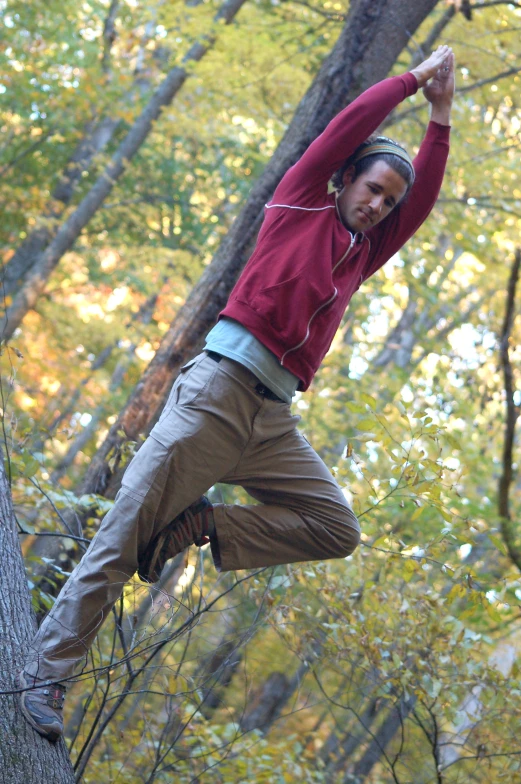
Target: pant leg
{"type": "Point", "coordinates": [194, 443]}
{"type": "Point", "coordinates": [303, 515]}
{"type": "Point", "coordinates": [215, 427]}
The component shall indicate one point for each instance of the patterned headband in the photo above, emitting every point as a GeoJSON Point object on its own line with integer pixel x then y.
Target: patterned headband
{"type": "Point", "coordinates": [386, 146]}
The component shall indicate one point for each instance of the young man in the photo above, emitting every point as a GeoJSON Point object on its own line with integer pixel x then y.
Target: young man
{"type": "Point", "coordinates": [228, 417]}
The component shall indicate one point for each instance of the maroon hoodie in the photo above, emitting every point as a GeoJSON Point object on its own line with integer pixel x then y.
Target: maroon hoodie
{"type": "Point", "coordinates": [306, 265]}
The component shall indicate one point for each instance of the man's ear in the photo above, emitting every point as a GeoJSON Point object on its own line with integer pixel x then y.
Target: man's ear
{"type": "Point", "coordinates": [349, 175]}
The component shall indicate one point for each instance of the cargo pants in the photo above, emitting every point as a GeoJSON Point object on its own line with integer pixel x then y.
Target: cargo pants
{"type": "Point", "coordinates": [215, 427]}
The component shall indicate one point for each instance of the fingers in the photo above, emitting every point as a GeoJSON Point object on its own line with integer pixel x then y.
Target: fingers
{"type": "Point", "coordinates": [433, 66]}
{"type": "Point", "coordinates": [441, 56]}
{"type": "Point", "coordinates": [442, 52]}
{"type": "Point", "coordinates": [447, 65]}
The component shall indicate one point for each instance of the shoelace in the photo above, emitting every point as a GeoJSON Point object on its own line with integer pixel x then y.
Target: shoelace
{"type": "Point", "coordinates": [55, 697]}
{"type": "Point", "coordinates": [193, 528]}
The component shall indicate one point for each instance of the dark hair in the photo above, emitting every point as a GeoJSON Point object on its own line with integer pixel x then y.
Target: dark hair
{"type": "Point", "coordinates": [400, 166]}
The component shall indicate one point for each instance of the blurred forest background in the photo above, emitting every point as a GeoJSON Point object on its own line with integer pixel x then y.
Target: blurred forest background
{"type": "Point", "coordinates": [400, 663]}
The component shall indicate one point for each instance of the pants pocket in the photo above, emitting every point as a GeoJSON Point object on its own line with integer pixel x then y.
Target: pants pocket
{"type": "Point", "coordinates": [172, 397]}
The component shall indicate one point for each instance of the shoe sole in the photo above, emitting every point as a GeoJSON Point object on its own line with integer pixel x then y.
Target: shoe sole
{"type": "Point", "coordinates": [51, 735]}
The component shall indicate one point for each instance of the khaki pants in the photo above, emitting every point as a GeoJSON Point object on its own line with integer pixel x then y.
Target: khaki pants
{"type": "Point", "coordinates": [215, 427]}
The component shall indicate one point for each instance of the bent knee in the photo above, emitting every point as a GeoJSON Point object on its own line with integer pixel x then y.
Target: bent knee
{"type": "Point", "coordinates": [347, 534]}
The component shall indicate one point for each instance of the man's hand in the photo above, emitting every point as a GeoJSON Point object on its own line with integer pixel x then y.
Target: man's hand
{"type": "Point", "coordinates": [439, 91]}
{"type": "Point", "coordinates": [431, 65]}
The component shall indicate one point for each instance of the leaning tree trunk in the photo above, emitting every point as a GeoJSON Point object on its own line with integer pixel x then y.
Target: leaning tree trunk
{"type": "Point", "coordinates": [374, 34]}
{"type": "Point", "coordinates": [25, 757]}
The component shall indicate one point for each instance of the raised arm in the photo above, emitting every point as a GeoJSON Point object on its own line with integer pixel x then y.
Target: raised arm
{"type": "Point", "coordinates": [438, 86]}
{"type": "Point", "coordinates": [306, 181]}
{"type": "Point", "coordinates": [389, 236]}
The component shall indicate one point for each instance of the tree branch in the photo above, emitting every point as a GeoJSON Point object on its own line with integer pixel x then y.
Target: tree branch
{"type": "Point", "coordinates": [109, 36]}
{"type": "Point", "coordinates": [459, 91]}
{"type": "Point", "coordinates": [512, 414]}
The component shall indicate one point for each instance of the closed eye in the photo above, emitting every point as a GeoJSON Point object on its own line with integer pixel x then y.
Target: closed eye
{"type": "Point", "coordinates": [390, 201]}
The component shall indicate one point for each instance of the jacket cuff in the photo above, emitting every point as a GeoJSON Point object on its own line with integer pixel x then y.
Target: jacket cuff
{"type": "Point", "coordinates": [411, 84]}
{"type": "Point", "coordinates": [437, 131]}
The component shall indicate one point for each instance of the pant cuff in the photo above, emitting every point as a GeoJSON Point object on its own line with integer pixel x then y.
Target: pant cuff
{"type": "Point", "coordinates": [219, 539]}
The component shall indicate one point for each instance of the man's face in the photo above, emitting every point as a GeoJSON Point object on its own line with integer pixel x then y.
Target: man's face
{"type": "Point", "coordinates": [369, 199]}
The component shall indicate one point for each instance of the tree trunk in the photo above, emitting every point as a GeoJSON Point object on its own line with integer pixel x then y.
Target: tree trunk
{"type": "Point", "coordinates": [36, 280]}
{"type": "Point", "coordinates": [375, 33]}
{"type": "Point", "coordinates": [25, 757]}
{"type": "Point", "coordinates": [380, 740]}
{"type": "Point", "coordinates": [337, 750]}
{"type": "Point", "coordinates": [269, 701]}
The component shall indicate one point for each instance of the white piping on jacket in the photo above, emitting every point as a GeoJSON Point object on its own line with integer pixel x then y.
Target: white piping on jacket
{"type": "Point", "coordinates": [306, 209]}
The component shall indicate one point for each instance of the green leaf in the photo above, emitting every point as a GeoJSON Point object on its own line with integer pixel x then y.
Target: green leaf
{"type": "Point", "coordinates": [366, 424]}
{"type": "Point", "coordinates": [357, 408]}
{"type": "Point", "coordinates": [369, 399]}
{"type": "Point", "coordinates": [499, 543]}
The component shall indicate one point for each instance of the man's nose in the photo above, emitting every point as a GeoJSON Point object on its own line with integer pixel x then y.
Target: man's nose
{"type": "Point", "coordinates": [377, 203]}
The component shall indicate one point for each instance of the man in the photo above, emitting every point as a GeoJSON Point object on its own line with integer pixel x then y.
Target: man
{"type": "Point", "coordinates": [228, 417]}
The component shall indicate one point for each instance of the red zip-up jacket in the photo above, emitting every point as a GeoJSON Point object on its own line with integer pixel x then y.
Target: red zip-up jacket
{"type": "Point", "coordinates": [306, 265]}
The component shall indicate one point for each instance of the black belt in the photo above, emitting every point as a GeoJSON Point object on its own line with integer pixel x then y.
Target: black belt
{"type": "Point", "coordinates": [260, 388]}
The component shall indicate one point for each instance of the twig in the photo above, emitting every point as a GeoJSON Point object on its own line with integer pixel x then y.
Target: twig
{"type": "Point", "coordinates": [459, 91]}
{"type": "Point", "coordinates": [512, 414]}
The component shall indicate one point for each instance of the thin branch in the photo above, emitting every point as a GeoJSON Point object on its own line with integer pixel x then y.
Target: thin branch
{"type": "Point", "coordinates": [425, 48]}
{"type": "Point", "coordinates": [53, 533]}
{"type": "Point", "coordinates": [338, 17]}
{"type": "Point", "coordinates": [41, 139]}
{"type": "Point", "coordinates": [483, 82]}
{"type": "Point", "coordinates": [512, 414]}
{"type": "Point", "coordinates": [109, 36]}
{"type": "Point", "coordinates": [479, 6]}
{"type": "Point", "coordinates": [459, 91]}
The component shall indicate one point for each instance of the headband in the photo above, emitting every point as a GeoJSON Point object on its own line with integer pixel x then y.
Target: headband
{"type": "Point", "coordinates": [383, 147]}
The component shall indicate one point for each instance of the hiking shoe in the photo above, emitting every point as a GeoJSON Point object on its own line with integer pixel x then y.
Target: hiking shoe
{"type": "Point", "coordinates": [193, 526]}
{"type": "Point", "coordinates": [42, 705]}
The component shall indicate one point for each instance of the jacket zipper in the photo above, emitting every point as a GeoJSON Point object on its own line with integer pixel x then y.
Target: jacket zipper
{"type": "Point", "coordinates": [321, 307]}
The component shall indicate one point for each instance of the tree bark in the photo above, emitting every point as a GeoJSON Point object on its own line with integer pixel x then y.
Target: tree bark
{"type": "Point", "coordinates": [36, 279]}
{"type": "Point", "coordinates": [512, 410]}
{"type": "Point", "coordinates": [260, 711]}
{"type": "Point", "coordinates": [25, 757]}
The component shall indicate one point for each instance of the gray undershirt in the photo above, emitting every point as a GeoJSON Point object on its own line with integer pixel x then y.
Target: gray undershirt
{"type": "Point", "coordinates": [234, 341]}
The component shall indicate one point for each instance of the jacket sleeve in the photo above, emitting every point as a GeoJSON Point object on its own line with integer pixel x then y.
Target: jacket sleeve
{"type": "Point", "coordinates": [392, 233]}
{"type": "Point", "coordinates": [305, 183]}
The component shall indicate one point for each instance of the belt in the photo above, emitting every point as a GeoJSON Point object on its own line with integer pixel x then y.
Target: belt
{"type": "Point", "coordinates": [260, 388]}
